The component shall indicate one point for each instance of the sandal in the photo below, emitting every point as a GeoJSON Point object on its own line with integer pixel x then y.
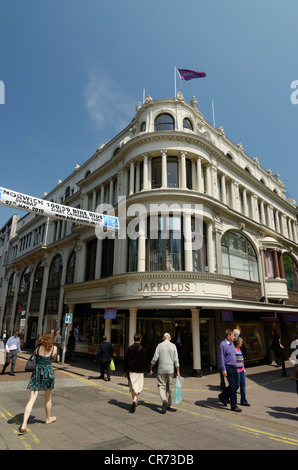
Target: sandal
{"type": "Point", "coordinates": [53, 419]}
{"type": "Point", "coordinates": [23, 431]}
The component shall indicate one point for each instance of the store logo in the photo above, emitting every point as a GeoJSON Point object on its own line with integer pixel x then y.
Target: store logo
{"type": "Point", "coordinates": [294, 94]}
{"type": "Point", "coordinates": [2, 92]}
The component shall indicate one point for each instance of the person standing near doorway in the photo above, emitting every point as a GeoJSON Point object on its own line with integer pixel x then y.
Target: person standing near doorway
{"type": "Point", "coordinates": [13, 346]}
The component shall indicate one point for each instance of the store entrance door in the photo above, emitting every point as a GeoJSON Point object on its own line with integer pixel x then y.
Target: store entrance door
{"type": "Point", "coordinates": [180, 331]}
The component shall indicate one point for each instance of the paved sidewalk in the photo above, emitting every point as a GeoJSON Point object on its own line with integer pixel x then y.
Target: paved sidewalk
{"type": "Point", "coordinates": [272, 397]}
{"type": "Point", "coordinates": [93, 414]}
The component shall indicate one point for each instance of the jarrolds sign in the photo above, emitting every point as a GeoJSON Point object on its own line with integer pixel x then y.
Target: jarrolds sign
{"type": "Point", "coordinates": [46, 208]}
{"type": "Point", "coordinates": [164, 287]}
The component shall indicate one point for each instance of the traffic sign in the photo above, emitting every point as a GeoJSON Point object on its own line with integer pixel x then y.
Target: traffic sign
{"type": "Point", "coordinates": [68, 318]}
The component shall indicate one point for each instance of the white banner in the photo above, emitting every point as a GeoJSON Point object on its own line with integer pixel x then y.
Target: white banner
{"type": "Point", "coordinates": [46, 208]}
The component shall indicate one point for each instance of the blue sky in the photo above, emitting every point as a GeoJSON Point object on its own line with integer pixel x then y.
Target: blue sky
{"type": "Point", "coordinates": [74, 71]}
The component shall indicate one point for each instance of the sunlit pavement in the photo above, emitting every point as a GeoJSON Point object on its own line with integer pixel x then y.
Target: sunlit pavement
{"type": "Point", "coordinates": [93, 414]}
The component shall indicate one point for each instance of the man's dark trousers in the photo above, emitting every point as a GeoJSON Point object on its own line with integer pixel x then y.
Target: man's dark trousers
{"type": "Point", "coordinates": [11, 356]}
{"type": "Point", "coordinates": [230, 391]}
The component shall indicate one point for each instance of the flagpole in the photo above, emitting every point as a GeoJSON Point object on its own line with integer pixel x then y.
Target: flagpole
{"type": "Point", "coordinates": [175, 73]}
{"type": "Point", "coordinates": [213, 114]}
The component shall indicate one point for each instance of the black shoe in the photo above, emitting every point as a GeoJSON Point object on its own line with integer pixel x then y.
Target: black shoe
{"type": "Point", "coordinates": [164, 407]}
{"type": "Point", "coordinates": [245, 404]}
{"type": "Point", "coordinates": [169, 408]}
{"type": "Point", "coordinates": [224, 402]}
{"type": "Point", "coordinates": [133, 407]}
{"type": "Point", "coordinates": [236, 409]}
{"type": "Point", "coordinates": [11, 373]}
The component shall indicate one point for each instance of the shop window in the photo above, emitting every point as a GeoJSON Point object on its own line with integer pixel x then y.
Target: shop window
{"type": "Point", "coordinates": [164, 122]}
{"type": "Point", "coordinates": [199, 257]}
{"type": "Point", "coordinates": [91, 260]}
{"type": "Point", "coordinates": [107, 257]}
{"type": "Point", "coordinates": [172, 172]}
{"type": "Point", "coordinates": [291, 271]}
{"type": "Point", "coordinates": [165, 244]}
{"type": "Point", "coordinates": [132, 255]}
{"type": "Point", "coordinates": [25, 281]}
{"type": "Point", "coordinates": [11, 285]}
{"type": "Point", "coordinates": [71, 266]}
{"type": "Point", "coordinates": [156, 172]}
{"type": "Point", "coordinates": [188, 174]}
{"type": "Point", "coordinates": [55, 273]}
{"type": "Point", "coordinates": [187, 124]}
{"type": "Point", "coordinates": [238, 257]}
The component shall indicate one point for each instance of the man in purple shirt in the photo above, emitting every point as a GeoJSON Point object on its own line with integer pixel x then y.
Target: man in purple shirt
{"type": "Point", "coordinates": [227, 361]}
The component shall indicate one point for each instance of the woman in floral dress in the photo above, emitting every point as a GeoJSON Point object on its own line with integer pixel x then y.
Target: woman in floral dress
{"type": "Point", "coordinates": [43, 378]}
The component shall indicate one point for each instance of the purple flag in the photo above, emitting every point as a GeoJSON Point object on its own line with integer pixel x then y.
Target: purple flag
{"type": "Point", "coordinates": [186, 74]}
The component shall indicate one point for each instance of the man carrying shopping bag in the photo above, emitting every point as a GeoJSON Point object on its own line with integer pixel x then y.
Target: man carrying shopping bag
{"type": "Point", "coordinates": [167, 356]}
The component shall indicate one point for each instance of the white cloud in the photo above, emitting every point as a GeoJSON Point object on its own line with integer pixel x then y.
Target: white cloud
{"type": "Point", "coordinates": [106, 104]}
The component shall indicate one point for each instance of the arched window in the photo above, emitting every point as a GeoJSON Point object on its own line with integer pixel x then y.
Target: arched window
{"type": "Point", "coordinates": [187, 124]}
{"type": "Point", "coordinates": [71, 266]}
{"type": "Point", "coordinates": [55, 272]}
{"type": "Point", "coordinates": [11, 285]}
{"type": "Point", "coordinates": [164, 122]}
{"type": "Point", "coordinates": [238, 257]}
{"type": "Point", "coordinates": [38, 278]}
{"type": "Point", "coordinates": [25, 281]}
{"type": "Point", "coordinates": [291, 271]}
{"type": "Point", "coordinates": [143, 127]}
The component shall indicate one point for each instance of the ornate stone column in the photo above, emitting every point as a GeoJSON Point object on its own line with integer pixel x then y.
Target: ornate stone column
{"type": "Point", "coordinates": [210, 247]}
{"type": "Point", "coordinates": [223, 189]}
{"type": "Point", "coordinates": [145, 172]}
{"type": "Point", "coordinates": [132, 323]}
{"type": "Point", "coordinates": [164, 176]}
{"type": "Point", "coordinates": [199, 175]}
{"type": "Point", "coordinates": [132, 178]}
{"type": "Point", "coordinates": [187, 242]}
{"type": "Point", "coordinates": [183, 169]}
{"type": "Point", "coordinates": [196, 344]}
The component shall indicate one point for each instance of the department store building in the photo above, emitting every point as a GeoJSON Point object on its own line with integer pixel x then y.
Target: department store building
{"type": "Point", "coordinates": [166, 167]}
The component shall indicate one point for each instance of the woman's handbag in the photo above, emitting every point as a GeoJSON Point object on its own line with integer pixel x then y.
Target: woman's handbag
{"type": "Point", "coordinates": [112, 365]}
{"type": "Point", "coordinates": [31, 364]}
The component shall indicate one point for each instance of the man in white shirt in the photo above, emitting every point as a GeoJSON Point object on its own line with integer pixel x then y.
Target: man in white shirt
{"type": "Point", "coordinates": [13, 346]}
{"type": "Point", "coordinates": [167, 356]}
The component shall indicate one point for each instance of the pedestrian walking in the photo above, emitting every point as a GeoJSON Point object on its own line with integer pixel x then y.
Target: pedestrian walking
{"type": "Point", "coordinates": [241, 371]}
{"type": "Point", "coordinates": [42, 379]}
{"type": "Point", "coordinates": [4, 336]}
{"type": "Point", "coordinates": [227, 360]}
{"type": "Point", "coordinates": [58, 343]}
{"type": "Point", "coordinates": [278, 349]}
{"type": "Point", "coordinates": [167, 356]}
{"type": "Point", "coordinates": [12, 347]}
{"type": "Point", "coordinates": [135, 362]}
{"type": "Point", "coordinates": [104, 356]}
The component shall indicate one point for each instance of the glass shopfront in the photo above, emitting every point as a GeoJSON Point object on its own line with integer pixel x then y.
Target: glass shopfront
{"type": "Point", "coordinates": [252, 332]}
{"type": "Point", "coordinates": [89, 327]}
